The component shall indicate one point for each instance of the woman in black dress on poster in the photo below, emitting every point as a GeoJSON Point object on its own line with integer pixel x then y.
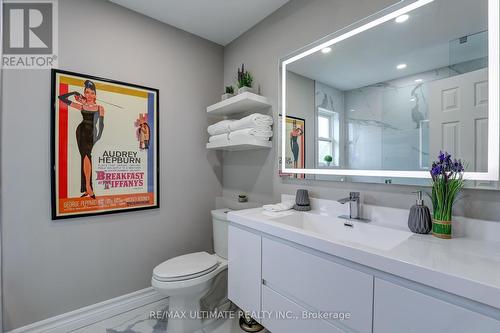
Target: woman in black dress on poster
{"type": "Point", "coordinates": [87, 133]}
{"type": "Point", "coordinates": [294, 145]}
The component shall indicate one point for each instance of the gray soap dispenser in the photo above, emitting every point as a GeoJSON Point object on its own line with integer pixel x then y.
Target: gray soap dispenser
{"type": "Point", "coordinates": [420, 221]}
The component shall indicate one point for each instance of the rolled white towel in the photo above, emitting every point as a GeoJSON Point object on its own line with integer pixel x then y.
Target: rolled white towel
{"type": "Point", "coordinates": [219, 139]}
{"type": "Point", "coordinates": [220, 128]}
{"type": "Point", "coordinates": [261, 133]}
{"type": "Point", "coordinates": [279, 207]}
{"type": "Point", "coordinates": [251, 121]}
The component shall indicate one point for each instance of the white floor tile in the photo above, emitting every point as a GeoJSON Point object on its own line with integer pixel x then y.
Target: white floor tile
{"type": "Point", "coordinates": [138, 321]}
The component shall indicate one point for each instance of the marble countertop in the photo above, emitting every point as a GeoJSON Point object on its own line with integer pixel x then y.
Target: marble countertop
{"type": "Point", "coordinates": [466, 267]}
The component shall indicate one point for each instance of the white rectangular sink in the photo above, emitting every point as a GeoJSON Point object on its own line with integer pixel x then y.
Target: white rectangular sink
{"type": "Point", "coordinates": [338, 229]}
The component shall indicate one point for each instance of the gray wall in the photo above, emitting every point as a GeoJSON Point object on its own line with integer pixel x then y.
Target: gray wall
{"type": "Point", "coordinates": [294, 25]}
{"type": "Point", "coordinates": [54, 267]}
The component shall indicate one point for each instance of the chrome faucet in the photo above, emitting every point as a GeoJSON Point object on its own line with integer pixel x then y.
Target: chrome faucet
{"type": "Point", "coordinates": [353, 200]}
{"type": "Point", "coordinates": [354, 207]}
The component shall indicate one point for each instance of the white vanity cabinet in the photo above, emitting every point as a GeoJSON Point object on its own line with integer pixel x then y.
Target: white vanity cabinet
{"type": "Point", "coordinates": [290, 316]}
{"type": "Point", "coordinates": [398, 309]}
{"type": "Point", "coordinates": [289, 284]}
{"type": "Point", "coordinates": [319, 283]}
{"type": "Point", "coordinates": [244, 271]}
{"type": "Point", "coordinates": [275, 279]}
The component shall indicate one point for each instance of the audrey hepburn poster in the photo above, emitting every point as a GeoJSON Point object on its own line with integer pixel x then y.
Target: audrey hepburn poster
{"type": "Point", "coordinates": [104, 146]}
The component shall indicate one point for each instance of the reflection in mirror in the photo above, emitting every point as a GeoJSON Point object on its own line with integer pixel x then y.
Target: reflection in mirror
{"type": "Point", "coordinates": [392, 97]}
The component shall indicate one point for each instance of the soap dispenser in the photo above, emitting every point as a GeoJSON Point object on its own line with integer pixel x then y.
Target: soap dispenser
{"type": "Point", "coordinates": [302, 201]}
{"type": "Point", "coordinates": [420, 221]}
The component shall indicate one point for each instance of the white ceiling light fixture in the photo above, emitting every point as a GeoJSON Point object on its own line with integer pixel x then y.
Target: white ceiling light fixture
{"type": "Point", "coordinates": [402, 18]}
{"type": "Point", "coordinates": [419, 81]}
{"type": "Point", "coordinates": [401, 66]}
{"type": "Point", "coordinates": [326, 50]}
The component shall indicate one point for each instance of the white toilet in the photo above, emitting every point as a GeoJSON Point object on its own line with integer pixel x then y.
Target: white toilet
{"type": "Point", "coordinates": [188, 278]}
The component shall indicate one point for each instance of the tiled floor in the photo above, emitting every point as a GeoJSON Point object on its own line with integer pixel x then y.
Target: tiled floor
{"type": "Point", "coordinates": [138, 321]}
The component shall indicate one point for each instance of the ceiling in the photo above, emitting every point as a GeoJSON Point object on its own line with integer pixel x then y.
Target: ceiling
{"type": "Point", "coordinates": [426, 41]}
{"type": "Point", "coordinates": [220, 21]}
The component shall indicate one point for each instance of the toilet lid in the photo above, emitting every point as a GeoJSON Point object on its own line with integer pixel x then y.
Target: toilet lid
{"type": "Point", "coordinates": [185, 266]}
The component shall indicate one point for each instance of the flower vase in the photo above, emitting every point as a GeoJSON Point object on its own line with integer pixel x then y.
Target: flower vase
{"type": "Point", "coordinates": [441, 229]}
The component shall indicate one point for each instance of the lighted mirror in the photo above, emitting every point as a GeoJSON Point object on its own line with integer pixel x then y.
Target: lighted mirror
{"type": "Point", "coordinates": [378, 100]}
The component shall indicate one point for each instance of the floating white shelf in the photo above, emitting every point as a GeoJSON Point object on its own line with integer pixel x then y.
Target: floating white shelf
{"type": "Point", "coordinates": [246, 144]}
{"type": "Point", "coordinates": [243, 102]}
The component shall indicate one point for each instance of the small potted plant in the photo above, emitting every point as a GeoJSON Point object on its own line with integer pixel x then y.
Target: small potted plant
{"type": "Point", "coordinates": [242, 198]}
{"type": "Point", "coordinates": [328, 159]}
{"type": "Point", "coordinates": [447, 182]}
{"type": "Point", "coordinates": [229, 93]}
{"type": "Point", "coordinates": [245, 80]}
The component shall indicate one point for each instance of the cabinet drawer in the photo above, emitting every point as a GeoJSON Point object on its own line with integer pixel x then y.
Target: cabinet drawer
{"type": "Point", "coordinates": [244, 271]}
{"type": "Point", "coordinates": [285, 316]}
{"type": "Point", "coordinates": [399, 309]}
{"type": "Point", "coordinates": [319, 283]}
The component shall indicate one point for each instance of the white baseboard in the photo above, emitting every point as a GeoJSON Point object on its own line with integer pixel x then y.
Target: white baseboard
{"type": "Point", "coordinates": [92, 314]}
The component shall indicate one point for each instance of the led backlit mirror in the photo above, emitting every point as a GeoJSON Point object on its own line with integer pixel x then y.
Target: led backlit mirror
{"type": "Point", "coordinates": [378, 100]}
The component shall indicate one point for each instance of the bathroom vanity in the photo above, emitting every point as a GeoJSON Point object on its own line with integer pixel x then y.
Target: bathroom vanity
{"type": "Point", "coordinates": [382, 98]}
{"type": "Point", "coordinates": [313, 272]}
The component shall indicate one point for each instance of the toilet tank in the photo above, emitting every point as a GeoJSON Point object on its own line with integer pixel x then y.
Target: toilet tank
{"type": "Point", "coordinates": [220, 223]}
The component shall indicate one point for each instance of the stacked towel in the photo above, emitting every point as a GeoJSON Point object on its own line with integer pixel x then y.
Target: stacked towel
{"type": "Point", "coordinates": [279, 207]}
{"type": "Point", "coordinates": [255, 126]}
{"type": "Point", "coordinates": [219, 139]}
{"type": "Point", "coordinates": [251, 121]}
{"type": "Point", "coordinates": [220, 128]}
{"type": "Point", "coordinates": [261, 133]}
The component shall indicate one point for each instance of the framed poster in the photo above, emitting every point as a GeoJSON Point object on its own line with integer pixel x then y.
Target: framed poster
{"type": "Point", "coordinates": [295, 146]}
{"type": "Point", "coordinates": [105, 147]}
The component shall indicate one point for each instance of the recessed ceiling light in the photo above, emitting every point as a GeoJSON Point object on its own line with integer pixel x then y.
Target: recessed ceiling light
{"type": "Point", "coordinates": [352, 110]}
{"type": "Point", "coordinates": [412, 99]}
{"type": "Point", "coordinates": [401, 66]}
{"type": "Point", "coordinates": [402, 18]}
{"type": "Point", "coordinates": [419, 80]}
{"type": "Point", "coordinates": [326, 50]}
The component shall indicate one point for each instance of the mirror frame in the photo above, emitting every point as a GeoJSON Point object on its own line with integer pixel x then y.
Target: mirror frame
{"type": "Point", "coordinates": [374, 20]}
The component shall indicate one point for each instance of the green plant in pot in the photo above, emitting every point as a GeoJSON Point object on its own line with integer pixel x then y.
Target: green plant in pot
{"type": "Point", "coordinates": [447, 182]}
{"type": "Point", "coordinates": [229, 93]}
{"type": "Point", "coordinates": [242, 198]}
{"type": "Point", "coordinates": [328, 159]}
{"type": "Point", "coordinates": [245, 80]}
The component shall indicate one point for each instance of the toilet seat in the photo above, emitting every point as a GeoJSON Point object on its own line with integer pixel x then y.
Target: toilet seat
{"type": "Point", "coordinates": [191, 283]}
{"type": "Point", "coordinates": [185, 267]}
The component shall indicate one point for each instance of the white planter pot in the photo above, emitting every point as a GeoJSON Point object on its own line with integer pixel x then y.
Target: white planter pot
{"type": "Point", "coordinates": [245, 89]}
{"type": "Point", "coordinates": [226, 96]}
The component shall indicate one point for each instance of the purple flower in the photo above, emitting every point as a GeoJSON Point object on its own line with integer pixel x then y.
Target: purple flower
{"type": "Point", "coordinates": [436, 170]}
{"type": "Point", "coordinates": [441, 156]}
{"type": "Point", "coordinates": [446, 167]}
{"type": "Point", "coordinates": [457, 166]}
